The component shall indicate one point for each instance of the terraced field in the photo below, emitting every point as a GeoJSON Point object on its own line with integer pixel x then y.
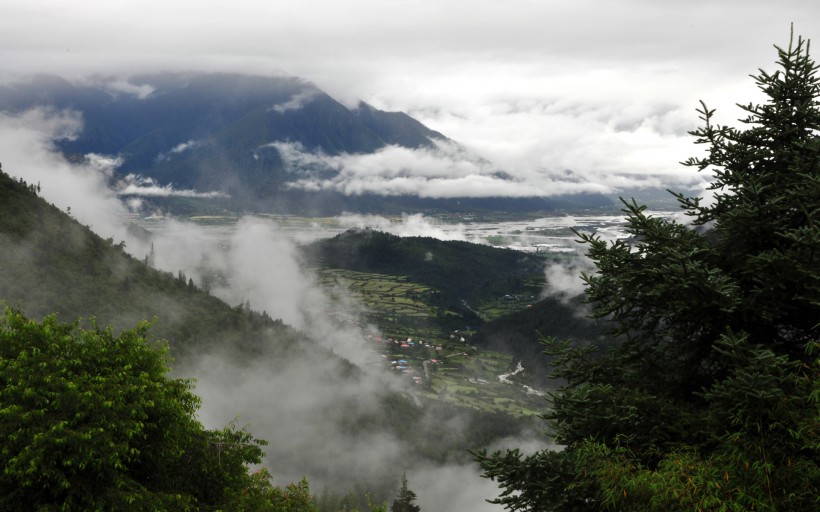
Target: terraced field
{"type": "Point", "coordinates": [442, 362]}
{"type": "Point", "coordinates": [390, 300]}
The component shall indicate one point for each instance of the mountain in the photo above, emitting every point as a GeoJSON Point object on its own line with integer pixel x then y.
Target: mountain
{"type": "Point", "coordinates": [213, 131]}
{"type": "Point", "coordinates": [250, 137]}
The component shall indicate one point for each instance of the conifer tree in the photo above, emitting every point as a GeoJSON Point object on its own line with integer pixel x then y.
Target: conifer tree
{"type": "Point", "coordinates": [710, 398]}
{"type": "Point", "coordinates": [405, 500]}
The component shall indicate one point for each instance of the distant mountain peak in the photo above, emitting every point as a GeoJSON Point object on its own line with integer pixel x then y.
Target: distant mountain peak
{"type": "Point", "coordinates": [224, 132]}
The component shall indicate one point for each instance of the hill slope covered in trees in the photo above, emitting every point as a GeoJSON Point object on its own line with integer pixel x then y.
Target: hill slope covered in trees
{"type": "Point", "coordinates": [265, 369]}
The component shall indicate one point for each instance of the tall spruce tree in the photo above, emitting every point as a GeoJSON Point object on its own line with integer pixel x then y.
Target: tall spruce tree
{"type": "Point", "coordinates": [711, 398]}
{"type": "Point", "coordinates": [405, 500]}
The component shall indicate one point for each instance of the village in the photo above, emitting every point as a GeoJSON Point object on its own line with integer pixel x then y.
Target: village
{"type": "Point", "coordinates": [440, 363]}
{"type": "Point", "coordinates": [395, 354]}
{"type": "Point", "coordinates": [455, 371]}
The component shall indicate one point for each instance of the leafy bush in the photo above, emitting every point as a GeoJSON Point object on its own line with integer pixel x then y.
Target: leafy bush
{"type": "Point", "coordinates": [90, 421]}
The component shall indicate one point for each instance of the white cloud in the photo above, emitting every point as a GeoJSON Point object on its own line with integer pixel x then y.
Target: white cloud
{"type": "Point", "coordinates": [407, 225]}
{"type": "Point", "coordinates": [183, 146]}
{"type": "Point", "coordinates": [297, 101]}
{"type": "Point", "coordinates": [140, 186]}
{"type": "Point", "coordinates": [120, 86]}
{"type": "Point", "coordinates": [178, 149]}
{"type": "Point", "coordinates": [563, 281]}
{"type": "Point", "coordinates": [605, 89]}
{"type": "Point", "coordinates": [449, 171]}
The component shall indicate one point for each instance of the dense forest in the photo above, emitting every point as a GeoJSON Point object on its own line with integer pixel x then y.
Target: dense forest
{"type": "Point", "coordinates": [711, 398]}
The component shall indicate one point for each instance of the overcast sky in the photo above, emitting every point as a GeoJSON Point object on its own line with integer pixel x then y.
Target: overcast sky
{"type": "Point", "coordinates": [605, 88]}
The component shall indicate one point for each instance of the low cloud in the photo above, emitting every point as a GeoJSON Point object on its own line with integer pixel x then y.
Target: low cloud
{"type": "Point", "coordinates": [407, 225]}
{"type": "Point", "coordinates": [121, 86]}
{"type": "Point", "coordinates": [179, 148]}
{"type": "Point", "coordinates": [563, 280]}
{"type": "Point", "coordinates": [140, 186]}
{"type": "Point", "coordinates": [297, 101]}
{"type": "Point", "coordinates": [183, 146]}
{"type": "Point", "coordinates": [445, 171]}
{"type": "Point", "coordinates": [296, 407]}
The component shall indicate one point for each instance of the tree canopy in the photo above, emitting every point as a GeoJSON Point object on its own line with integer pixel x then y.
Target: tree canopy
{"type": "Point", "coordinates": [90, 421]}
{"type": "Point", "coordinates": [710, 399]}
{"type": "Point", "coordinates": [405, 500]}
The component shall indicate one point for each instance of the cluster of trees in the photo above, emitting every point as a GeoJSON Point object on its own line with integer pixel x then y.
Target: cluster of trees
{"type": "Point", "coordinates": [710, 399]}
{"type": "Point", "coordinates": [89, 420]}
{"type": "Point", "coordinates": [405, 500]}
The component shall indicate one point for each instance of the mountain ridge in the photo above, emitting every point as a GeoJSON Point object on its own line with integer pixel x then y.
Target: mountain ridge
{"type": "Point", "coordinates": [223, 132]}
{"type": "Point", "coordinates": [234, 113]}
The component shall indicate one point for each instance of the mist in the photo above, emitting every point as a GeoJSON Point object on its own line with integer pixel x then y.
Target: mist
{"type": "Point", "coordinates": [302, 406]}
{"type": "Point", "coordinates": [408, 225]}
{"type": "Point", "coordinates": [446, 171]}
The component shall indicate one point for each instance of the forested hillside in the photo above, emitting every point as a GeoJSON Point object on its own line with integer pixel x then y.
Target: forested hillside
{"type": "Point", "coordinates": [469, 279]}
{"type": "Point", "coordinates": [461, 272]}
{"type": "Point", "coordinates": [52, 265]}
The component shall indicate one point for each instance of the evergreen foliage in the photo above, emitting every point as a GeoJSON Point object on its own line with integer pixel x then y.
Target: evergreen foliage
{"type": "Point", "coordinates": [711, 398]}
{"type": "Point", "coordinates": [55, 265]}
{"type": "Point", "coordinates": [405, 499]}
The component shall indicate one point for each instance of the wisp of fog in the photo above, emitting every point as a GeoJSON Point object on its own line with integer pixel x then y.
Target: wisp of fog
{"type": "Point", "coordinates": [294, 408]}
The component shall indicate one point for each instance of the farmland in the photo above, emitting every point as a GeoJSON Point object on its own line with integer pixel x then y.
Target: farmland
{"type": "Point", "coordinates": [417, 338]}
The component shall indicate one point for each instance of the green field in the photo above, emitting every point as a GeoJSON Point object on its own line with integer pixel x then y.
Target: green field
{"type": "Point", "coordinates": [457, 372]}
{"type": "Point", "coordinates": [389, 299]}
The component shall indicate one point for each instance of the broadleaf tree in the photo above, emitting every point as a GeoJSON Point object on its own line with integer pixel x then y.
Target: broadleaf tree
{"type": "Point", "coordinates": [710, 398]}
{"type": "Point", "coordinates": [89, 420]}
